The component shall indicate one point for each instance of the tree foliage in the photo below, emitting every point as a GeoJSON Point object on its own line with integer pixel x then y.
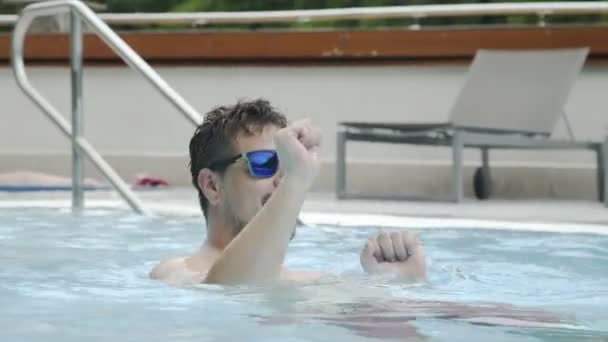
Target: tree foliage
{"type": "Point", "coordinates": [128, 6]}
{"type": "Point", "coordinates": [266, 5]}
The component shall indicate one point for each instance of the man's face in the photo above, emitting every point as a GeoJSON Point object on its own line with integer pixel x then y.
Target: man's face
{"type": "Point", "coordinates": [244, 195]}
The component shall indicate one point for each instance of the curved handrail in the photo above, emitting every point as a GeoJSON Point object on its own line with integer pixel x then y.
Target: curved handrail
{"type": "Point", "coordinates": [383, 12]}
{"type": "Point", "coordinates": [108, 36]}
{"type": "Point", "coordinates": [122, 49]}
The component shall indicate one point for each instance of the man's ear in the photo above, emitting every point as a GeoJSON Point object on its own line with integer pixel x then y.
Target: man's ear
{"type": "Point", "coordinates": [209, 183]}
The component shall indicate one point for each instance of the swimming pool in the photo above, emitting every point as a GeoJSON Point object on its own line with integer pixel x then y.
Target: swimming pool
{"type": "Point", "coordinates": [67, 277]}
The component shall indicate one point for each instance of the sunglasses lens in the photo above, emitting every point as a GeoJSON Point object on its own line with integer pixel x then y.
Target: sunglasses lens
{"type": "Point", "coordinates": [263, 164]}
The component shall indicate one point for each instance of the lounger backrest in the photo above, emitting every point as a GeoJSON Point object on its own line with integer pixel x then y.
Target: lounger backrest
{"type": "Point", "coordinates": [518, 91]}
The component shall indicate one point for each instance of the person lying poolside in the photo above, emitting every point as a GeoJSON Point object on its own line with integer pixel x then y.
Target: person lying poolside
{"type": "Point", "coordinates": [31, 178]}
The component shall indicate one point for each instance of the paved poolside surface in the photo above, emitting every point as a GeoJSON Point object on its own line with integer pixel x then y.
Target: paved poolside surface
{"type": "Point", "coordinates": [323, 208]}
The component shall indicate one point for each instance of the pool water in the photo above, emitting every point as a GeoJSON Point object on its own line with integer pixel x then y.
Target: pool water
{"type": "Point", "coordinates": [67, 277]}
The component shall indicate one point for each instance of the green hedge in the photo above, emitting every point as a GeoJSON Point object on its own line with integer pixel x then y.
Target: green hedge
{"type": "Point", "coordinates": [125, 6]}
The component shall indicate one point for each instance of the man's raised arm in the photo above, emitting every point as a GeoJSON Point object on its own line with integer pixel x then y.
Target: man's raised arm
{"type": "Point", "coordinates": [257, 253]}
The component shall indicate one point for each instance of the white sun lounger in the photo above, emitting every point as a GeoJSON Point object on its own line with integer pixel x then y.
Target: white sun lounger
{"type": "Point", "coordinates": [510, 99]}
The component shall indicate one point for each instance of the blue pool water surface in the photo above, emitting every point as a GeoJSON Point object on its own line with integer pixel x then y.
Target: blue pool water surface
{"type": "Point", "coordinates": [68, 277]}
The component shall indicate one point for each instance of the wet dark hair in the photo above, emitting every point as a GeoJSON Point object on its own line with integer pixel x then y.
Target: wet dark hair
{"type": "Point", "coordinates": [214, 139]}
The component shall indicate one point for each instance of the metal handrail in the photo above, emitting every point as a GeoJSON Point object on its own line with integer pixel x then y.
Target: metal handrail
{"type": "Point", "coordinates": [79, 11]}
{"type": "Point", "coordinates": [417, 11]}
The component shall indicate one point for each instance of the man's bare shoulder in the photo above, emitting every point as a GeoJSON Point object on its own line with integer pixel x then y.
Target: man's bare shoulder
{"type": "Point", "coordinates": [175, 271]}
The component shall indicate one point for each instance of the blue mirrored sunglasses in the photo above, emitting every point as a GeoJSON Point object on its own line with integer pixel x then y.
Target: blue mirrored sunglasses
{"type": "Point", "coordinates": [261, 163]}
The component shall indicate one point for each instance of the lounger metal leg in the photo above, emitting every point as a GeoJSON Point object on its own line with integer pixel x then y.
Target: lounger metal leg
{"type": "Point", "coordinates": [604, 171]}
{"type": "Point", "coordinates": [457, 146]}
{"type": "Point", "coordinates": [599, 152]}
{"type": "Point", "coordinates": [341, 165]}
{"type": "Point", "coordinates": [485, 168]}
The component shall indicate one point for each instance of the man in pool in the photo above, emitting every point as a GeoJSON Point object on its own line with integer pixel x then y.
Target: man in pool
{"type": "Point", "coordinates": [252, 172]}
{"type": "Point", "coordinates": [251, 206]}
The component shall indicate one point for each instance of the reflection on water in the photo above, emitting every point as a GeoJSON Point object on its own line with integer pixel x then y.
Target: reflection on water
{"type": "Point", "coordinates": [70, 278]}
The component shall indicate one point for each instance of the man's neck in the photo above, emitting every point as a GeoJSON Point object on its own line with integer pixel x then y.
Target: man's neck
{"type": "Point", "coordinates": [219, 233]}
